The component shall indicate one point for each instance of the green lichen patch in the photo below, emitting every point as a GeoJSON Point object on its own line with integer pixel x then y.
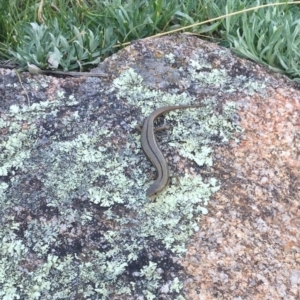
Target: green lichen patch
{"type": "Point", "coordinates": [76, 223]}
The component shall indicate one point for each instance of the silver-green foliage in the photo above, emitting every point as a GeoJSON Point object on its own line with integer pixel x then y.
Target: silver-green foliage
{"type": "Point", "coordinates": [48, 47]}
{"type": "Point", "coordinates": [269, 36]}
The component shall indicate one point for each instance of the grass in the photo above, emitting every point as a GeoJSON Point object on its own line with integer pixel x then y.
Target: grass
{"type": "Point", "coordinates": [77, 34]}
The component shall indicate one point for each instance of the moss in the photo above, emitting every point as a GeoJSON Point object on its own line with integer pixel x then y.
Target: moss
{"type": "Point", "coordinates": [75, 218]}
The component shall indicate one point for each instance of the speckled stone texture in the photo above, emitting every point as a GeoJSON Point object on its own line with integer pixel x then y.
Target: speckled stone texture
{"type": "Point", "coordinates": [248, 246]}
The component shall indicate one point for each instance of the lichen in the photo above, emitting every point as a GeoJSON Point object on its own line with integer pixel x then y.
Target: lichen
{"type": "Point", "coordinates": [74, 216]}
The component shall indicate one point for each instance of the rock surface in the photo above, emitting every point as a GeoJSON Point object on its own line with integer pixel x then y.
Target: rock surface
{"type": "Point", "coordinates": [74, 214]}
{"type": "Point", "coordinates": [248, 246]}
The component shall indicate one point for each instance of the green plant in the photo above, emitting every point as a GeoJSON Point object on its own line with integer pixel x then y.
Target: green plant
{"type": "Point", "coordinates": [62, 42]}
{"type": "Point", "coordinates": [47, 47]}
{"type": "Point", "coordinates": [269, 36]}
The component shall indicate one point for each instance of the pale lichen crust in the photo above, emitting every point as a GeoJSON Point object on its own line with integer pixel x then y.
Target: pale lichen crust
{"type": "Point", "coordinates": [75, 221]}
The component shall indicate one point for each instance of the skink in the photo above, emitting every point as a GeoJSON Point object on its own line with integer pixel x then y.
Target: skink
{"type": "Point", "coordinates": [153, 152]}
